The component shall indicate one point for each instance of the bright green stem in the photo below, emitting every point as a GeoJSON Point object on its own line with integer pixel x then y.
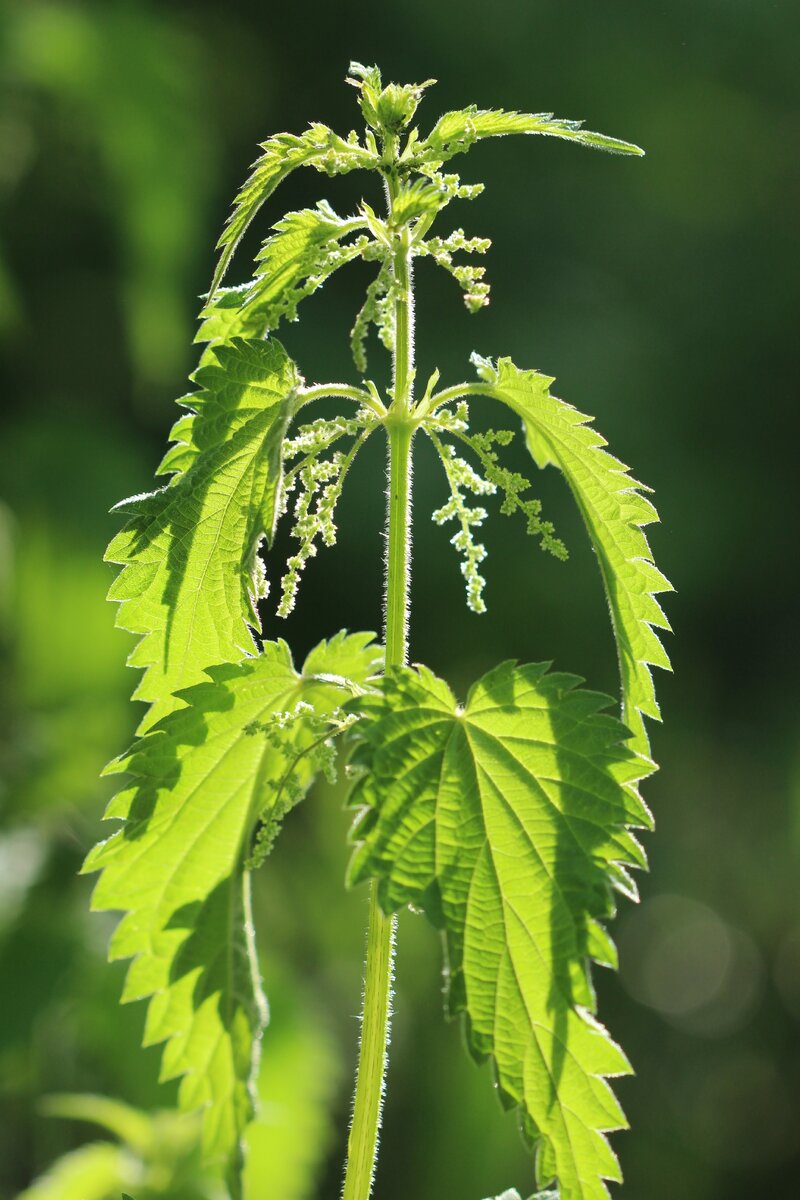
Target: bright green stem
{"type": "Point", "coordinates": [362, 1147]}
{"type": "Point", "coordinates": [398, 545]}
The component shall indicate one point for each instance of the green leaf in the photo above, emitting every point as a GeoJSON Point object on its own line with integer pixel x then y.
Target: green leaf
{"type": "Point", "coordinates": [509, 822]}
{"type": "Point", "coordinates": [614, 510]}
{"type": "Point", "coordinates": [302, 254]}
{"type": "Point", "coordinates": [317, 147]}
{"type": "Point", "coordinates": [455, 132]}
{"type": "Point", "coordinates": [93, 1172]}
{"type": "Point", "coordinates": [386, 109]}
{"type": "Point", "coordinates": [420, 198]}
{"type": "Point", "coordinates": [191, 574]}
{"type": "Point", "coordinates": [224, 318]}
{"type": "Point", "coordinates": [346, 657]}
{"type": "Point", "coordinates": [200, 781]}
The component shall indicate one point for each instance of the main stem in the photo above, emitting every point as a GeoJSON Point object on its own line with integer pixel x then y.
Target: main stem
{"type": "Point", "coordinates": [362, 1147]}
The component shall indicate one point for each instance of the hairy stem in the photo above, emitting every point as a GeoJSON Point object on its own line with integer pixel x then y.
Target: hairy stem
{"type": "Point", "coordinates": [322, 391]}
{"type": "Point", "coordinates": [458, 392]}
{"type": "Point", "coordinates": [379, 965]}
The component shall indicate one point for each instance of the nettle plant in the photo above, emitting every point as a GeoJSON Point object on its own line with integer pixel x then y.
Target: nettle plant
{"type": "Point", "coordinates": [509, 819]}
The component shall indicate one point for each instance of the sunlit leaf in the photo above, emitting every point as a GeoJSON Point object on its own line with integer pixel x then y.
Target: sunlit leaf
{"type": "Point", "coordinates": [307, 247]}
{"type": "Point", "coordinates": [191, 574]}
{"type": "Point", "coordinates": [509, 822]}
{"type": "Point", "coordinates": [456, 132]}
{"type": "Point", "coordinates": [200, 782]}
{"type": "Point", "coordinates": [318, 147]}
{"type": "Point", "coordinates": [614, 510]}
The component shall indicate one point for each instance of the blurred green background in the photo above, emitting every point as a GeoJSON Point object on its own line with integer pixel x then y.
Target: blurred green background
{"type": "Point", "coordinates": [663, 294]}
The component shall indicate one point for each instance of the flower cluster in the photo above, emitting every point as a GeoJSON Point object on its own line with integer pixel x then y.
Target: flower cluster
{"type": "Point", "coordinates": [491, 479]}
{"type": "Point", "coordinates": [306, 748]}
{"type": "Point", "coordinates": [318, 481]}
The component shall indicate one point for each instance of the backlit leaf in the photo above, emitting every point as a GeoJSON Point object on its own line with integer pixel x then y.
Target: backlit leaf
{"type": "Point", "coordinates": [191, 574]}
{"type": "Point", "coordinates": [201, 780]}
{"type": "Point", "coordinates": [317, 147]}
{"type": "Point", "coordinates": [614, 510]}
{"type": "Point", "coordinates": [509, 822]}
{"type": "Point", "coordinates": [456, 132]}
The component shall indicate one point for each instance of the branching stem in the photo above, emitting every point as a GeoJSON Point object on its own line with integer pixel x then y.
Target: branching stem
{"type": "Point", "coordinates": [448, 395]}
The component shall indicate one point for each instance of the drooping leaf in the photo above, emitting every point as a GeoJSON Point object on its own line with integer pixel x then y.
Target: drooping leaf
{"type": "Point", "coordinates": [191, 574]}
{"type": "Point", "coordinates": [614, 510]}
{"type": "Point", "coordinates": [317, 147]}
{"type": "Point", "coordinates": [200, 782]}
{"type": "Point", "coordinates": [456, 132]}
{"type": "Point", "coordinates": [305, 250]}
{"type": "Point", "coordinates": [509, 822]}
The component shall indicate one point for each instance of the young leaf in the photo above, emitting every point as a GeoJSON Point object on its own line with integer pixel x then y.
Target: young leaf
{"type": "Point", "coordinates": [509, 822]}
{"type": "Point", "coordinates": [418, 199]}
{"type": "Point", "coordinates": [614, 510]}
{"type": "Point", "coordinates": [317, 147]}
{"type": "Point", "coordinates": [455, 132]}
{"type": "Point", "coordinates": [201, 780]}
{"type": "Point", "coordinates": [386, 109]}
{"type": "Point", "coordinates": [191, 574]}
{"type": "Point", "coordinates": [305, 250]}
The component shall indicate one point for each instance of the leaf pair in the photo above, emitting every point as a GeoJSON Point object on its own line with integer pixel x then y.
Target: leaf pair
{"type": "Point", "coordinates": [508, 821]}
{"type": "Point", "coordinates": [318, 147]}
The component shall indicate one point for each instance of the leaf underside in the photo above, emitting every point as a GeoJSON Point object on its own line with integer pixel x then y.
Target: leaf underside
{"type": "Point", "coordinates": [456, 131]}
{"type": "Point", "coordinates": [509, 822]}
{"type": "Point", "coordinates": [200, 781]}
{"type": "Point", "coordinates": [614, 510]}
